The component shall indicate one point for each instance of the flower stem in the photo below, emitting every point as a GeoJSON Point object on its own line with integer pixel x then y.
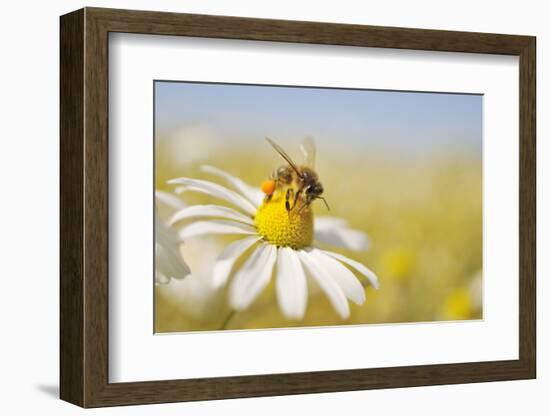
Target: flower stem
{"type": "Point", "coordinates": [227, 320]}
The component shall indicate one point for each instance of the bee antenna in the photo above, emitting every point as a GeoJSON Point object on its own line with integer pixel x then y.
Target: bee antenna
{"type": "Point", "coordinates": [325, 201]}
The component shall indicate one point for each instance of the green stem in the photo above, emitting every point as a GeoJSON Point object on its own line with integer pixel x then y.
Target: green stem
{"type": "Point", "coordinates": [227, 320]}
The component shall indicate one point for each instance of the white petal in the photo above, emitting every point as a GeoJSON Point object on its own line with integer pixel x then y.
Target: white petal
{"type": "Point", "coordinates": [228, 257]}
{"type": "Point", "coordinates": [252, 277]}
{"type": "Point", "coordinates": [254, 195]}
{"type": "Point", "coordinates": [168, 260]}
{"type": "Point", "coordinates": [209, 211]}
{"type": "Point", "coordinates": [333, 291]}
{"type": "Point", "coordinates": [217, 191]}
{"type": "Point", "coordinates": [335, 232]}
{"type": "Point", "coordinates": [326, 221]}
{"type": "Point", "coordinates": [215, 227]}
{"type": "Point", "coordinates": [290, 284]}
{"type": "Point", "coordinates": [161, 279]}
{"type": "Point", "coordinates": [343, 276]}
{"type": "Point", "coordinates": [169, 199]}
{"type": "Point", "coordinates": [369, 274]}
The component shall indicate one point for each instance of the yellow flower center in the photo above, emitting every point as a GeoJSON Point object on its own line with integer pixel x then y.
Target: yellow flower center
{"type": "Point", "coordinates": [284, 228]}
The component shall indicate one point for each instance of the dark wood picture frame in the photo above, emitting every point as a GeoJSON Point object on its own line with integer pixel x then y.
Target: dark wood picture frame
{"type": "Point", "coordinates": [84, 207]}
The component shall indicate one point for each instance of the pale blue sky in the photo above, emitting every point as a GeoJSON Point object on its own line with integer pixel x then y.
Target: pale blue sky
{"type": "Point", "coordinates": [382, 120]}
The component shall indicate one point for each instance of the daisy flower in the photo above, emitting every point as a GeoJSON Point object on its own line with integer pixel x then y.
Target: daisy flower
{"type": "Point", "coordinates": [168, 259]}
{"type": "Point", "coordinates": [275, 242]}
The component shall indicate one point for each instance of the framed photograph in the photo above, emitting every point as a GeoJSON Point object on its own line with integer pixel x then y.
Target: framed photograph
{"type": "Point", "coordinates": [255, 207]}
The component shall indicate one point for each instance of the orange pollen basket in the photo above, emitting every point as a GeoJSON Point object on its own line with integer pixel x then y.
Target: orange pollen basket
{"type": "Point", "coordinates": [268, 186]}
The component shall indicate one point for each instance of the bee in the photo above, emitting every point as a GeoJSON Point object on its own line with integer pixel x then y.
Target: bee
{"type": "Point", "coordinates": [301, 182]}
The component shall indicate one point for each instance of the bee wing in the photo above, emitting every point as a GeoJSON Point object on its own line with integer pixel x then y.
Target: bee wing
{"type": "Point", "coordinates": [309, 150]}
{"type": "Point", "coordinates": [286, 157]}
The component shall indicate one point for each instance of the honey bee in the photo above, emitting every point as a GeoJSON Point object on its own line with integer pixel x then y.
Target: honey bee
{"type": "Point", "coordinates": [301, 182]}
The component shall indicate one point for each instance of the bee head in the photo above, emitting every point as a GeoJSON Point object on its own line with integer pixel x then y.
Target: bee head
{"type": "Point", "coordinates": [315, 190]}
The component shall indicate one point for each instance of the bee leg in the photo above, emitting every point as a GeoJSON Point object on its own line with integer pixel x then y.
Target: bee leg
{"type": "Point", "coordinates": [296, 197]}
{"type": "Point", "coordinates": [288, 195]}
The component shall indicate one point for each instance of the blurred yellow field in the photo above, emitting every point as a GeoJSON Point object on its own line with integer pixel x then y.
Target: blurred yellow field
{"type": "Point", "coordinates": [424, 222]}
